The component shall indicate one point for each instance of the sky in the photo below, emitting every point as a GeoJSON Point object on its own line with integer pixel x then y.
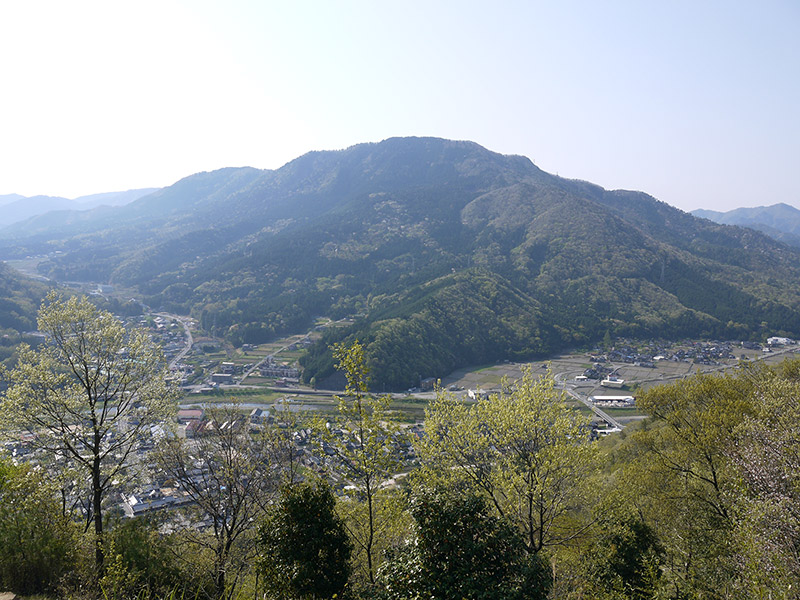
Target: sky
{"type": "Point", "coordinates": [694, 102]}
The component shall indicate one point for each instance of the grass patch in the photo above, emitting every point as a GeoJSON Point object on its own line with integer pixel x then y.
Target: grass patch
{"type": "Point", "coordinates": [253, 380]}
{"type": "Point", "coordinates": [250, 396]}
{"type": "Point", "coordinates": [624, 412]}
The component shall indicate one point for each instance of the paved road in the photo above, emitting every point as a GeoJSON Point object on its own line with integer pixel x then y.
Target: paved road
{"type": "Point", "coordinates": [189, 339]}
{"type": "Point", "coordinates": [560, 379]}
{"type": "Point", "coordinates": [262, 361]}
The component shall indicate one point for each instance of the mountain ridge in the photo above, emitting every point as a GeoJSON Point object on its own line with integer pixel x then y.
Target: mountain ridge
{"type": "Point", "coordinates": [18, 208]}
{"type": "Point", "coordinates": [779, 221]}
{"type": "Point", "coordinates": [453, 253]}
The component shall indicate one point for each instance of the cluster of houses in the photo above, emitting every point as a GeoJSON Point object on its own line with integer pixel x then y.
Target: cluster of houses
{"type": "Point", "coordinates": [162, 495]}
{"type": "Point", "coordinates": [271, 368]}
{"type": "Point", "coordinates": [304, 343]}
{"type": "Point", "coordinates": [401, 445]}
{"type": "Point", "coordinates": [227, 372]}
{"type": "Point", "coordinates": [702, 353]}
{"type": "Point", "coordinates": [27, 449]}
{"type": "Point", "coordinates": [169, 334]}
{"type": "Point", "coordinates": [781, 341]}
{"type": "Point", "coordinates": [193, 422]}
{"type": "Point", "coordinates": [626, 355]}
{"type": "Point", "coordinates": [597, 371]}
{"type": "Point", "coordinates": [697, 352]}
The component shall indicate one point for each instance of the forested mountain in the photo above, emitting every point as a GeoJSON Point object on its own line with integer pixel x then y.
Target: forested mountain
{"type": "Point", "coordinates": [452, 254]}
{"type": "Point", "coordinates": [779, 221]}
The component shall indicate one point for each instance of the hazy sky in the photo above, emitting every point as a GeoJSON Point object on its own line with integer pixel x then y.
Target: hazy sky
{"type": "Point", "coordinates": [695, 102]}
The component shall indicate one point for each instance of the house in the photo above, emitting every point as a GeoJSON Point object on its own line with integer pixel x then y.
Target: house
{"type": "Point", "coordinates": [153, 500]}
{"type": "Point", "coordinates": [259, 416]}
{"type": "Point", "coordinates": [613, 401]}
{"type": "Point", "coordinates": [780, 341]}
{"type": "Point", "coordinates": [612, 382]}
{"type": "Point", "coordinates": [186, 415]}
{"type": "Point", "coordinates": [428, 384]}
{"type": "Point", "coordinates": [273, 370]}
{"type": "Point", "coordinates": [194, 428]}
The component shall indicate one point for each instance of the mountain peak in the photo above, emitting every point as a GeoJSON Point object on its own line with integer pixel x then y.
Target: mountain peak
{"type": "Point", "coordinates": [455, 254]}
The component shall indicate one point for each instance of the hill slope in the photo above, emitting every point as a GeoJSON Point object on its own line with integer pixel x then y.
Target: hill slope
{"type": "Point", "coordinates": [453, 255]}
{"type": "Point", "coordinates": [20, 299]}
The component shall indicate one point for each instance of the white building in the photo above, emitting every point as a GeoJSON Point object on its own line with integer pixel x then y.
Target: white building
{"type": "Point", "coordinates": [613, 401]}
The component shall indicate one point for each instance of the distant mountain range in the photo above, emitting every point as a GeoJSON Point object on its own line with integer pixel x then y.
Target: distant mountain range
{"type": "Point", "coordinates": [15, 208]}
{"type": "Point", "coordinates": [779, 221]}
{"type": "Point", "coordinates": [448, 254]}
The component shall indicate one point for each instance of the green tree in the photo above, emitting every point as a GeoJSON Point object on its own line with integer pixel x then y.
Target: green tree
{"type": "Point", "coordinates": [702, 497]}
{"type": "Point", "coordinates": [524, 448]}
{"type": "Point", "coordinates": [625, 560]}
{"type": "Point", "coordinates": [461, 551]}
{"type": "Point", "coordinates": [38, 544]}
{"type": "Point", "coordinates": [89, 395]}
{"type": "Point", "coordinates": [677, 477]}
{"type": "Point", "coordinates": [229, 475]}
{"type": "Point", "coordinates": [607, 341]}
{"type": "Point", "coordinates": [304, 546]}
{"type": "Point", "coordinates": [765, 451]}
{"type": "Point", "coordinates": [142, 558]}
{"type": "Point", "coordinates": [359, 443]}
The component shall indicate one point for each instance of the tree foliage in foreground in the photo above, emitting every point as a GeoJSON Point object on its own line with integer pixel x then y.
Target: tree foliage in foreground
{"type": "Point", "coordinates": [38, 544]}
{"type": "Point", "coordinates": [713, 475]}
{"type": "Point", "coordinates": [524, 449]}
{"type": "Point", "coordinates": [305, 551]}
{"type": "Point", "coordinates": [765, 451]}
{"type": "Point", "coordinates": [89, 396]}
{"type": "Point", "coordinates": [462, 551]}
{"type": "Point", "coordinates": [361, 450]}
{"type": "Point", "coordinates": [231, 479]}
{"type": "Point", "coordinates": [679, 476]}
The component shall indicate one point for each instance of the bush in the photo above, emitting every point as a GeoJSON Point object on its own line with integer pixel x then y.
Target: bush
{"type": "Point", "coordinates": [304, 544]}
{"type": "Point", "coordinates": [38, 544]}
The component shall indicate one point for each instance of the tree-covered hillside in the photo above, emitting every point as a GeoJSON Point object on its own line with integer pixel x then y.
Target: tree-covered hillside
{"type": "Point", "coordinates": [20, 298]}
{"type": "Point", "coordinates": [450, 253]}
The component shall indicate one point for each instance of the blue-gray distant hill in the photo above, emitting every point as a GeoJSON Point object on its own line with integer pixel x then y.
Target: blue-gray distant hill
{"type": "Point", "coordinates": [448, 253]}
{"type": "Point", "coordinates": [9, 198]}
{"type": "Point", "coordinates": [779, 221]}
{"type": "Point", "coordinates": [16, 208]}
